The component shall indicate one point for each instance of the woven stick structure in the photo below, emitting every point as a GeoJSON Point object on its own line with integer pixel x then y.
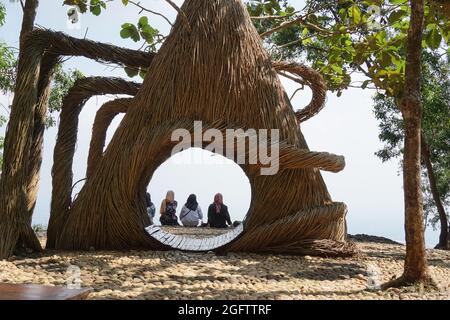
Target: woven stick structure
{"type": "Point", "coordinates": [105, 115]}
{"type": "Point", "coordinates": [56, 45]}
{"type": "Point", "coordinates": [215, 71]}
{"type": "Point", "coordinates": [65, 145]}
{"type": "Point", "coordinates": [24, 138]}
{"type": "Point", "coordinates": [311, 78]}
{"type": "Point", "coordinates": [212, 68]}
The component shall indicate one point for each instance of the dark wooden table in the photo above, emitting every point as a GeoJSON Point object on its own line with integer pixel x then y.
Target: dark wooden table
{"type": "Point", "coordinates": [37, 292]}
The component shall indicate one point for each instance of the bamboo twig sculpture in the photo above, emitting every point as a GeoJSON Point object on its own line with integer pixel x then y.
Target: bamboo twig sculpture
{"type": "Point", "coordinates": [216, 71]}
{"type": "Point", "coordinates": [219, 73]}
{"type": "Point", "coordinates": [65, 145]}
{"type": "Point", "coordinates": [23, 142]}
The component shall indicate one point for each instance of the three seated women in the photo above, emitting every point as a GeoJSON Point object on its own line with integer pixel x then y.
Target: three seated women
{"type": "Point", "coordinates": [191, 214]}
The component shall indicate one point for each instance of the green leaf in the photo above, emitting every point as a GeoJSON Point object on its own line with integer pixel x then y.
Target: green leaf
{"type": "Point", "coordinates": [148, 33]}
{"type": "Point", "coordinates": [396, 16]}
{"type": "Point", "coordinates": [355, 13]}
{"type": "Point", "coordinates": [96, 7]}
{"type": "Point", "coordinates": [131, 72]}
{"type": "Point", "coordinates": [336, 68]}
{"type": "Point", "coordinates": [365, 84]}
{"type": "Point", "coordinates": [398, 1]}
{"type": "Point", "coordinates": [143, 21]}
{"type": "Point", "coordinates": [142, 73]}
{"type": "Point", "coordinates": [130, 31]}
{"type": "Point", "coordinates": [433, 38]}
{"type": "Point", "coordinates": [96, 10]}
{"type": "Point", "coordinates": [386, 59]}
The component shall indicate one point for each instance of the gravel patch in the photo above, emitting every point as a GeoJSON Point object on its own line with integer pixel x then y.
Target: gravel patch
{"type": "Point", "coordinates": [178, 275]}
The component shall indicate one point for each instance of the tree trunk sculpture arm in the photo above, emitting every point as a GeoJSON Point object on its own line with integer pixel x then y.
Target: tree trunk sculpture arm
{"type": "Point", "coordinates": [62, 176]}
{"type": "Point", "coordinates": [105, 115]}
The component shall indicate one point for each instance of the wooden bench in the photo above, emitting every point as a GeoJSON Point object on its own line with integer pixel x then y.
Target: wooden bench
{"type": "Point", "coordinates": [37, 292]}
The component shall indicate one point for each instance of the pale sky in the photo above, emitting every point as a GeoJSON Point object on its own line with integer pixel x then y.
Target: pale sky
{"type": "Point", "coordinates": [372, 190]}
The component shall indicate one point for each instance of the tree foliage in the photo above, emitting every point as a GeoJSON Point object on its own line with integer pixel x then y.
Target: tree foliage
{"type": "Point", "coordinates": [8, 64]}
{"type": "Point", "coordinates": [353, 36]}
{"type": "Point", "coordinates": [93, 6]}
{"type": "Point", "coordinates": [7, 59]}
{"type": "Point", "coordinates": [435, 126]}
{"type": "Point", "coordinates": [2, 14]}
{"type": "Point", "coordinates": [367, 37]}
{"type": "Point", "coordinates": [62, 81]}
{"type": "Point", "coordinates": [338, 38]}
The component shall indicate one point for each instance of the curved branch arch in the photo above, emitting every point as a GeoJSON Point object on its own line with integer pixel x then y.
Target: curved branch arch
{"type": "Point", "coordinates": [105, 115]}
{"type": "Point", "coordinates": [55, 45]}
{"type": "Point", "coordinates": [312, 79]}
{"type": "Point", "coordinates": [62, 175]}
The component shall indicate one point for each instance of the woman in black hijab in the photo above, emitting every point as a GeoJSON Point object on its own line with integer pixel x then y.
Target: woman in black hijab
{"type": "Point", "coordinates": [191, 215]}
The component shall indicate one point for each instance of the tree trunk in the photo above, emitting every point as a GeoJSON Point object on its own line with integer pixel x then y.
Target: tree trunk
{"type": "Point", "coordinates": [15, 225]}
{"type": "Point", "coordinates": [416, 267]}
{"type": "Point", "coordinates": [29, 16]}
{"type": "Point", "coordinates": [28, 238]}
{"type": "Point", "coordinates": [443, 237]}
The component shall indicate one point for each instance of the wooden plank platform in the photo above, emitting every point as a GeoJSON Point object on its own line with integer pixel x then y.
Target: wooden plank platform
{"type": "Point", "coordinates": [37, 292]}
{"type": "Point", "coordinates": [190, 243]}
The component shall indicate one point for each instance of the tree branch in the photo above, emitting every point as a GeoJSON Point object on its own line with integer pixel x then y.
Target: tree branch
{"type": "Point", "coordinates": [151, 11]}
{"type": "Point", "coordinates": [181, 13]}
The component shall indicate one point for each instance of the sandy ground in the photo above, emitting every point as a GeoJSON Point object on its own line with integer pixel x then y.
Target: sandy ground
{"type": "Point", "coordinates": [178, 275]}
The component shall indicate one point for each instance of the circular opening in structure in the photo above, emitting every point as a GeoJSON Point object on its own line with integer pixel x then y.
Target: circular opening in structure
{"type": "Point", "coordinates": [204, 174]}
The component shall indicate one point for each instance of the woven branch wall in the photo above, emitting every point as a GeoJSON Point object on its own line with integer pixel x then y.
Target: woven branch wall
{"type": "Point", "coordinates": [216, 71]}
{"type": "Point", "coordinates": [64, 151]}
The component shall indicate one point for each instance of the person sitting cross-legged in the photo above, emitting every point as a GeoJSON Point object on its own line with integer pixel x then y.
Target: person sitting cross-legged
{"type": "Point", "coordinates": [191, 214]}
{"type": "Point", "coordinates": [168, 210]}
{"type": "Point", "coordinates": [218, 215]}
